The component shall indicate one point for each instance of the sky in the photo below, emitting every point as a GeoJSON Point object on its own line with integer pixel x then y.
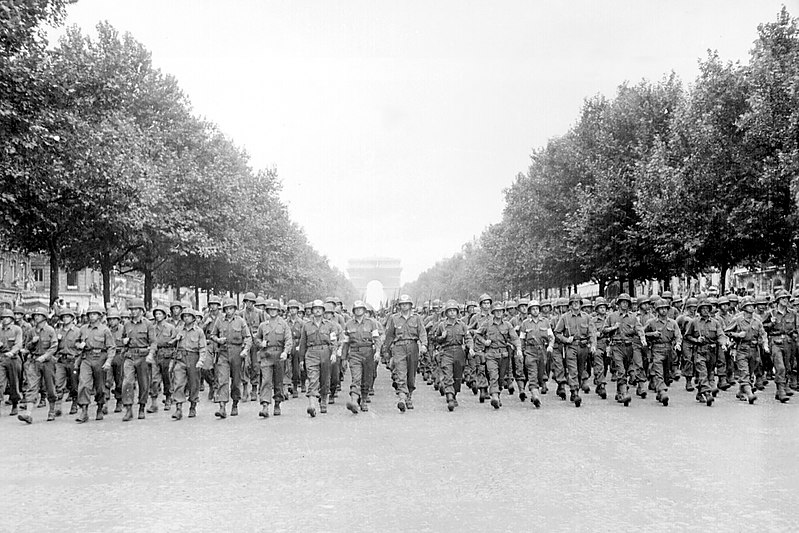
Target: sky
{"type": "Point", "coordinates": [395, 126]}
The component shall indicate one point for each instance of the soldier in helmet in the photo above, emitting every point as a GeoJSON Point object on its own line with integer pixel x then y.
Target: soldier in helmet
{"type": "Point", "coordinates": [66, 360]}
{"type": "Point", "coordinates": [234, 340]}
{"type": "Point", "coordinates": [165, 335]}
{"type": "Point", "coordinates": [764, 368]}
{"type": "Point", "coordinates": [27, 333]}
{"type": "Point", "coordinates": [537, 339]}
{"type": "Point", "coordinates": [40, 366]}
{"type": "Point", "coordinates": [295, 320]}
{"type": "Point", "coordinates": [274, 342]}
{"type": "Point", "coordinates": [98, 349]}
{"type": "Point", "coordinates": [687, 348]}
{"type": "Point", "coordinates": [748, 334]}
{"type": "Point", "coordinates": [602, 356]}
{"type": "Point", "coordinates": [175, 310]}
{"type": "Point", "coordinates": [477, 361]}
{"type": "Point", "coordinates": [781, 324]}
{"type": "Point", "coordinates": [405, 339]}
{"type": "Point", "coordinates": [140, 342]}
{"type": "Point", "coordinates": [208, 373]}
{"type": "Point", "coordinates": [555, 366]}
{"type": "Point", "coordinates": [335, 362]}
{"type": "Point", "coordinates": [251, 367]}
{"type": "Point", "coordinates": [707, 336]}
{"type": "Point", "coordinates": [624, 328]}
{"type": "Point", "coordinates": [497, 337]}
{"type": "Point", "coordinates": [190, 356]}
{"type": "Point", "coordinates": [10, 347]}
{"type": "Point", "coordinates": [361, 345]}
{"type": "Point", "coordinates": [576, 331]}
{"type": "Point", "coordinates": [663, 335]}
{"type": "Point", "coordinates": [453, 338]}
{"type": "Point", "coordinates": [115, 375]}
{"type": "Point", "coordinates": [318, 345]}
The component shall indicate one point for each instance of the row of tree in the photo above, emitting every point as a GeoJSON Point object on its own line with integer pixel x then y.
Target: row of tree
{"type": "Point", "coordinates": [660, 180]}
{"type": "Point", "coordinates": [104, 165]}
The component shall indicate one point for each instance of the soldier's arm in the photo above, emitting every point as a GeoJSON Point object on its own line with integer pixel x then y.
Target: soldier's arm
{"type": "Point", "coordinates": [677, 334]}
{"type": "Point", "coordinates": [592, 333]}
{"type": "Point", "coordinates": [390, 332]}
{"type": "Point", "coordinates": [560, 329]}
{"type": "Point", "coordinates": [16, 347]}
{"type": "Point", "coordinates": [52, 347]}
{"type": "Point", "coordinates": [202, 341]}
{"type": "Point", "coordinates": [690, 333]}
{"type": "Point", "coordinates": [514, 338]}
{"type": "Point", "coordinates": [467, 338]}
{"type": "Point", "coordinates": [303, 343]}
{"type": "Point", "coordinates": [377, 337]}
{"type": "Point", "coordinates": [110, 344]}
{"type": "Point", "coordinates": [247, 334]}
{"type": "Point", "coordinates": [423, 336]}
{"type": "Point", "coordinates": [289, 336]}
{"type": "Point", "coordinates": [721, 338]}
{"type": "Point", "coordinates": [639, 330]}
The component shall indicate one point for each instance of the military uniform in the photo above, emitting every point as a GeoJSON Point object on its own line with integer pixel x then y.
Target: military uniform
{"type": "Point", "coordinates": [748, 334]}
{"type": "Point", "coordinates": [537, 339]}
{"type": "Point", "coordinates": [497, 336]}
{"type": "Point", "coordinates": [234, 340]}
{"type": "Point", "coordinates": [706, 334]}
{"type": "Point", "coordinates": [66, 367]}
{"type": "Point", "coordinates": [40, 366]}
{"type": "Point", "coordinates": [576, 331]}
{"type": "Point", "coordinates": [10, 348]}
{"type": "Point", "coordinates": [165, 333]}
{"type": "Point", "coordinates": [452, 335]}
{"type": "Point", "coordinates": [318, 341]}
{"type": "Point", "coordinates": [98, 347]}
{"type": "Point", "coordinates": [251, 371]}
{"type": "Point", "coordinates": [626, 334]}
{"type": "Point", "coordinates": [273, 342]}
{"type": "Point", "coordinates": [117, 372]}
{"type": "Point", "coordinates": [140, 341]}
{"type": "Point", "coordinates": [298, 374]}
{"type": "Point", "coordinates": [781, 326]}
{"type": "Point", "coordinates": [360, 342]}
{"type": "Point", "coordinates": [663, 335]}
{"type": "Point", "coordinates": [190, 350]}
{"type": "Point", "coordinates": [405, 334]}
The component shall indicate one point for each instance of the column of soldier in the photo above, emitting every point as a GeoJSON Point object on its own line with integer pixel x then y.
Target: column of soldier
{"type": "Point", "coordinates": [269, 352]}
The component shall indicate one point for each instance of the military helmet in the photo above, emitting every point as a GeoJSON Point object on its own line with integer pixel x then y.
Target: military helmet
{"type": "Point", "coordinates": [436, 303]}
{"type": "Point", "coordinates": [691, 302]}
{"type": "Point", "coordinates": [546, 302]}
{"type": "Point", "coordinates": [369, 308]}
{"type": "Point", "coordinates": [667, 294]}
{"type": "Point", "coordinates": [471, 303]}
{"type": "Point", "coordinates": [662, 303]}
{"type": "Point", "coordinates": [623, 296]}
{"type": "Point", "coordinates": [704, 302]}
{"type": "Point", "coordinates": [260, 301]}
{"type": "Point", "coordinates": [6, 313]}
{"type": "Point", "coordinates": [113, 313]}
{"type": "Point", "coordinates": [782, 294]}
{"type": "Point", "coordinates": [678, 300]}
{"type": "Point", "coordinates": [510, 304]}
{"type": "Point", "coordinates": [330, 307]}
{"type": "Point", "coordinates": [499, 306]}
{"type": "Point", "coordinates": [533, 303]}
{"type": "Point", "coordinates": [176, 303]}
{"type": "Point", "coordinates": [723, 300]}
{"type": "Point", "coordinates": [330, 300]}
{"type": "Point", "coordinates": [761, 299]}
{"type": "Point", "coordinates": [451, 304]}
{"type": "Point", "coordinates": [271, 303]}
{"type": "Point", "coordinates": [358, 304]}
{"type": "Point", "coordinates": [405, 299]}
{"type": "Point", "coordinates": [523, 301]}
{"type": "Point", "coordinates": [40, 311]}
{"type": "Point", "coordinates": [575, 298]}
{"type": "Point", "coordinates": [586, 303]}
{"type": "Point", "coordinates": [483, 298]}
{"type": "Point", "coordinates": [747, 301]}
{"type": "Point", "coordinates": [646, 300]}
{"type": "Point", "coordinates": [562, 302]}
{"type": "Point", "coordinates": [187, 311]}
{"type": "Point", "coordinates": [293, 303]}
{"type": "Point", "coordinates": [229, 302]}
{"type": "Point", "coordinates": [600, 301]}
{"type": "Point", "coordinates": [317, 303]}
{"type": "Point", "coordinates": [338, 300]}
{"type": "Point", "coordinates": [162, 309]}
{"type": "Point", "coordinates": [18, 311]}
{"type": "Point", "coordinates": [733, 298]}
{"type": "Point", "coordinates": [66, 311]}
{"type": "Point", "coordinates": [213, 299]}
{"type": "Point", "coordinates": [249, 296]}
{"type": "Point", "coordinates": [125, 313]}
{"type": "Point", "coordinates": [95, 308]}
{"type": "Point", "coordinates": [136, 303]}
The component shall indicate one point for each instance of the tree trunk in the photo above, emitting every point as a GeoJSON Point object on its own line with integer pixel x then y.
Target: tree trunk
{"type": "Point", "coordinates": [631, 287]}
{"type": "Point", "coordinates": [602, 288]}
{"type": "Point", "coordinates": [148, 287]}
{"type": "Point", "coordinates": [105, 270]}
{"type": "Point", "coordinates": [723, 279]}
{"type": "Point", "coordinates": [197, 297]}
{"type": "Point", "coordinates": [55, 259]}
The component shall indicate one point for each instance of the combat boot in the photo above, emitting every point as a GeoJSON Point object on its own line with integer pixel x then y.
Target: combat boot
{"type": "Point", "coordinates": [128, 413]}
{"type": "Point", "coordinates": [578, 401]}
{"type": "Point", "coordinates": [723, 383]}
{"type": "Point", "coordinates": [352, 403]}
{"type": "Point", "coordinates": [401, 403]}
{"type": "Point", "coordinates": [747, 391]}
{"type": "Point", "coordinates": [264, 412]}
{"type": "Point", "coordinates": [58, 408]}
{"type": "Point", "coordinates": [311, 410]}
{"type": "Point", "coordinates": [561, 392]}
{"type": "Point", "coordinates": [141, 411]}
{"type": "Point", "coordinates": [221, 413]}
{"type": "Point", "coordinates": [640, 391]}
{"type": "Point", "coordinates": [323, 404]}
{"type": "Point", "coordinates": [105, 408]}
{"type": "Point", "coordinates": [483, 395]}
{"type": "Point", "coordinates": [83, 415]}
{"type": "Point", "coordinates": [409, 402]}
{"type": "Point", "coordinates": [544, 388]}
{"type": "Point", "coordinates": [167, 403]}
{"type": "Point", "coordinates": [787, 390]}
{"type": "Point", "coordinates": [495, 401]}
{"type": "Point", "coordinates": [14, 410]}
{"type": "Point", "coordinates": [522, 392]}
{"type": "Point", "coordinates": [178, 414]}
{"type": "Point", "coordinates": [294, 393]}
{"type": "Point", "coordinates": [276, 410]}
{"type": "Point", "coordinates": [192, 409]}
{"type": "Point", "coordinates": [43, 403]}
{"type": "Point", "coordinates": [254, 393]}
{"type": "Point", "coordinates": [302, 388]}
{"type": "Point", "coordinates": [118, 407]}
{"type": "Point", "coordinates": [73, 408]}
{"type": "Point", "coordinates": [626, 398]}
{"type": "Point", "coordinates": [153, 405]}
{"type": "Point", "coordinates": [740, 394]}
{"type": "Point", "coordinates": [27, 418]}
{"type": "Point", "coordinates": [780, 395]}
{"type": "Point", "coordinates": [51, 412]}
{"type": "Point", "coordinates": [234, 411]}
{"type": "Point", "coordinates": [586, 388]}
{"type": "Point", "coordinates": [709, 399]}
{"type": "Point", "coordinates": [330, 400]}
{"type": "Point", "coordinates": [210, 393]}
{"type": "Point", "coordinates": [100, 411]}
{"type": "Point", "coordinates": [450, 402]}
{"type": "Point", "coordinates": [601, 392]}
{"type": "Point", "coordinates": [535, 398]}
{"type": "Point", "coordinates": [689, 383]}
{"type": "Point", "coordinates": [511, 387]}
{"type": "Point", "coordinates": [474, 388]}
{"type": "Point", "coordinates": [664, 398]}
{"type": "Point", "coordinates": [760, 383]}
{"type": "Point", "coordinates": [365, 403]}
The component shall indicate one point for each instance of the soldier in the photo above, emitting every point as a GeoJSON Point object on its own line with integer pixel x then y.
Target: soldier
{"type": "Point", "coordinates": [781, 324]}
{"type": "Point", "coordinates": [663, 336]}
{"type": "Point", "coordinates": [40, 366]}
{"type": "Point", "coordinates": [537, 339]}
{"type": "Point", "coordinates": [295, 320]}
{"type": "Point", "coordinates": [208, 373]}
{"type": "Point", "coordinates": [140, 342]}
{"type": "Point", "coordinates": [765, 368]}
{"type": "Point", "coordinates": [251, 371]}
{"type": "Point", "coordinates": [10, 347]}
{"type": "Point", "coordinates": [747, 331]}
{"type": "Point", "coordinates": [405, 338]}
{"type": "Point", "coordinates": [623, 327]}
{"type": "Point", "coordinates": [165, 334]}
{"type": "Point", "coordinates": [335, 362]}
{"type": "Point", "coordinates": [176, 310]}
{"type": "Point", "coordinates": [452, 335]}
{"type": "Point", "coordinates": [476, 362]}
{"type": "Point", "coordinates": [725, 361]}
{"type": "Point", "coordinates": [318, 345]}
{"type": "Point", "coordinates": [707, 336]}
{"type": "Point", "coordinates": [687, 348]}
{"type": "Point", "coordinates": [190, 354]}
{"type": "Point", "coordinates": [234, 340]}
{"type": "Point", "coordinates": [555, 366]}
{"type": "Point", "coordinates": [575, 330]}
{"type": "Point", "coordinates": [602, 356]}
{"type": "Point", "coordinates": [27, 333]}
{"type": "Point", "coordinates": [117, 372]}
{"type": "Point", "coordinates": [497, 336]}
{"type": "Point", "coordinates": [361, 345]}
{"type": "Point", "coordinates": [273, 344]}
{"type": "Point", "coordinates": [67, 361]}
{"type": "Point", "coordinates": [98, 350]}
{"type": "Point", "coordinates": [381, 329]}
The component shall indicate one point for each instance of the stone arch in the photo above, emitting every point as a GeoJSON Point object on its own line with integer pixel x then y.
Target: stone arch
{"type": "Point", "coordinates": [386, 270]}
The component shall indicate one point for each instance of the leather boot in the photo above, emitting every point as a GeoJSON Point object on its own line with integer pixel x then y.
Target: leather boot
{"type": "Point", "coordinates": [118, 407]}
{"type": "Point", "coordinates": [245, 392]}
{"type": "Point", "coordinates": [221, 413]}
{"type": "Point", "coordinates": [535, 398]}
{"type": "Point", "coordinates": [43, 402]}
{"type": "Point", "coordinates": [450, 402]}
{"type": "Point", "coordinates": [664, 398]}
{"type": "Point", "coordinates": [100, 414]}
{"type": "Point", "coordinates": [323, 404]}
{"type": "Point", "coordinates": [74, 408]}
{"type": "Point", "coordinates": [709, 399]}
{"type": "Point", "coordinates": [409, 402]}
{"type": "Point", "coordinates": [311, 410]}
{"type": "Point", "coordinates": [522, 393]}
{"type": "Point", "coordinates": [747, 391]}
{"type": "Point", "coordinates": [760, 384]}
{"type": "Point", "coordinates": [254, 393]}
{"type": "Point", "coordinates": [352, 404]}
{"type": "Point", "coordinates": [128, 413]}
{"type": "Point", "coordinates": [294, 393]}
{"type": "Point", "coordinates": [577, 400]}
{"type": "Point", "coordinates": [178, 414]}
{"type": "Point", "coordinates": [640, 391]}
{"type": "Point", "coordinates": [83, 416]}
{"type": "Point", "coordinates": [192, 409]}
{"type": "Point", "coordinates": [153, 405]}
{"type": "Point", "coordinates": [561, 392]}
{"type": "Point", "coordinates": [264, 412]}
{"type": "Point", "coordinates": [586, 388]}
{"type": "Point", "coordinates": [401, 403]}
{"type": "Point", "coordinates": [601, 392]}
{"type": "Point", "coordinates": [141, 411]}
{"type": "Point", "coordinates": [483, 395]}
{"type": "Point", "coordinates": [14, 410]}
{"type": "Point", "coordinates": [689, 383]}
{"type": "Point", "coordinates": [58, 408]}
{"type": "Point", "coordinates": [780, 395]}
{"type": "Point", "coordinates": [27, 418]}
{"type": "Point", "coordinates": [167, 403]}
{"type": "Point", "coordinates": [544, 388]}
{"type": "Point", "coordinates": [365, 401]}
{"type": "Point", "coordinates": [234, 411]}
{"type": "Point", "coordinates": [626, 398]}
{"type": "Point", "coordinates": [723, 383]}
{"type": "Point", "coordinates": [511, 387]}
{"type": "Point", "coordinates": [277, 408]}
{"type": "Point", "coordinates": [51, 412]}
{"type": "Point", "coordinates": [495, 401]}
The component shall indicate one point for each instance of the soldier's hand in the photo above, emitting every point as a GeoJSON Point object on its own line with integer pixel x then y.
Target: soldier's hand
{"type": "Point", "coordinates": [487, 342]}
{"type": "Point", "coordinates": [422, 349]}
{"type": "Point", "coordinates": [569, 340]}
{"type": "Point", "coordinates": [376, 357]}
{"type": "Point", "coordinates": [444, 334]}
{"type": "Point", "coordinates": [41, 359]}
{"type": "Point", "coordinates": [35, 339]}
{"type": "Point", "coordinates": [284, 356]}
{"type": "Point", "coordinates": [643, 342]}
{"type": "Point", "coordinates": [107, 365]}
{"type": "Point", "coordinates": [263, 344]}
{"type": "Point", "coordinates": [766, 348]}
{"type": "Point", "coordinates": [150, 360]}
{"type": "Point", "coordinates": [76, 364]}
{"type": "Point", "coordinates": [199, 364]}
{"type": "Point", "coordinates": [126, 341]}
{"type": "Point", "coordinates": [221, 340]}
{"type": "Point", "coordinates": [333, 357]}
{"type": "Point", "coordinates": [80, 345]}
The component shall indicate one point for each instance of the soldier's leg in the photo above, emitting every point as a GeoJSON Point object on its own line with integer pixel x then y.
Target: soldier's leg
{"type": "Point", "coordinates": [356, 360]}
{"type": "Point", "coordinates": [143, 379]}
{"type": "Point", "coordinates": [99, 381]}
{"type": "Point", "coordinates": [325, 370]}
{"type": "Point", "coordinates": [480, 371]}
{"type": "Point", "coordinates": [412, 363]}
{"type": "Point", "coordinates": [296, 371]}
{"type": "Point", "coordinates": [277, 380]}
{"type": "Point", "coordinates": [459, 361]}
{"type": "Point", "coordinates": [620, 369]}
{"type": "Point", "coordinates": [531, 362]}
{"type": "Point", "coordinates": [235, 363]}
{"type": "Point", "coordinates": [313, 368]}
{"type": "Point", "coordinates": [778, 354]}
{"type": "Point", "coordinates": [368, 369]}
{"type": "Point", "coordinates": [8, 378]}
{"type": "Point", "coordinates": [180, 380]}
{"type": "Point", "coordinates": [504, 369]}
{"type": "Point", "coordinates": [62, 376]}
{"type": "Point", "coordinates": [128, 382]}
{"type": "Point", "coordinates": [571, 368]}
{"type": "Point", "coordinates": [600, 375]}
{"type": "Point", "coordinates": [399, 357]}
{"type": "Point", "coordinates": [448, 371]}
{"type": "Point", "coordinates": [688, 363]}
{"type": "Point", "coordinates": [265, 391]}
{"type": "Point", "coordinates": [118, 371]}
{"type": "Point", "coordinates": [166, 379]}
{"type": "Point", "coordinates": [222, 378]}
{"type": "Point", "coordinates": [557, 365]}
{"type": "Point", "coordinates": [157, 382]}
{"type": "Point", "coordinates": [583, 367]}
{"type": "Point", "coordinates": [700, 368]}
{"type": "Point", "coordinates": [85, 382]}
{"type": "Point", "coordinates": [335, 377]}
{"type": "Point", "coordinates": [659, 357]}
{"type": "Point", "coordinates": [639, 369]}
{"type": "Point", "coordinates": [194, 377]}
{"type": "Point", "coordinates": [492, 368]}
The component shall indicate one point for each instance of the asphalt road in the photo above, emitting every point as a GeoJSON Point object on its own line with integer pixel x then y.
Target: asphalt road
{"type": "Point", "coordinates": [603, 467]}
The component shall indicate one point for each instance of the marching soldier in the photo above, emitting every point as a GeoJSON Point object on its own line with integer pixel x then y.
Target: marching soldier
{"type": "Point", "coordinates": [10, 348]}
{"type": "Point", "coordinates": [208, 372]}
{"type": "Point", "coordinates": [116, 374]}
{"type": "Point", "coordinates": [190, 354]}
{"type": "Point", "coordinates": [176, 310]}
{"type": "Point", "coordinates": [687, 347]}
{"type": "Point", "coordinates": [601, 356]}
{"type": "Point", "coordinates": [624, 328]}
{"type": "Point", "coordinates": [476, 362]}
{"type": "Point", "coordinates": [361, 346]}
{"type": "Point", "coordinates": [140, 342]}
{"type": "Point", "coordinates": [295, 321]}
{"type": "Point", "coordinates": [165, 333]}
{"type": "Point", "coordinates": [98, 350]}
{"type": "Point", "coordinates": [748, 334]}
{"type": "Point", "coordinates": [707, 336]}
{"type": "Point", "coordinates": [537, 339]}
{"type": "Point", "coordinates": [575, 330]}
{"type": "Point", "coordinates": [664, 336]}
{"type": "Point", "coordinates": [453, 337]}
{"type": "Point", "coordinates": [273, 343]}
{"type": "Point", "coordinates": [234, 340]}
{"type": "Point", "coordinates": [318, 345]}
{"type": "Point", "coordinates": [405, 338]}
{"type": "Point", "coordinates": [497, 336]}
{"type": "Point", "coordinates": [781, 324]}
{"type": "Point", "coordinates": [335, 362]}
{"type": "Point", "coordinates": [67, 361]}
{"type": "Point", "coordinates": [40, 366]}
{"type": "Point", "coordinates": [251, 371]}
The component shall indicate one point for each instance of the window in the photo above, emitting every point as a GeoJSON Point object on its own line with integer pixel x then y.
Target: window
{"type": "Point", "coordinates": [38, 275]}
{"type": "Point", "coordinates": [72, 280]}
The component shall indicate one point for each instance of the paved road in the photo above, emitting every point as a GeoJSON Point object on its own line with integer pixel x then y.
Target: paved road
{"type": "Point", "coordinates": [731, 467]}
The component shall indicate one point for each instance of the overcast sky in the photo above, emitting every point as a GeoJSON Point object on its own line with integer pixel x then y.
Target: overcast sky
{"type": "Point", "coordinates": [396, 125]}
